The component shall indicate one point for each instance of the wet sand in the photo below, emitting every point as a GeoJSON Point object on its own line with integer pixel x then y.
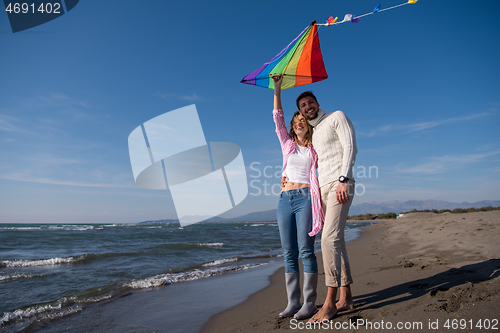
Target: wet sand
{"type": "Point", "coordinates": [427, 272]}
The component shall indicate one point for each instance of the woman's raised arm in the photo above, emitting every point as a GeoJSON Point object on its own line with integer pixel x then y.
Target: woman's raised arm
{"type": "Point", "coordinates": [277, 91]}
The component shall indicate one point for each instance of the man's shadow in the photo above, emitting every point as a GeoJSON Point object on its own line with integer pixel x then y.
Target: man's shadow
{"type": "Point", "coordinates": [474, 273]}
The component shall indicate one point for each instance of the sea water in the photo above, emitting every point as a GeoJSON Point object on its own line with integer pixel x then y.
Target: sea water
{"type": "Point", "coordinates": [48, 271]}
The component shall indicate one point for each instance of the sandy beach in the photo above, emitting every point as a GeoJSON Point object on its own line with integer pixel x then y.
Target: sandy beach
{"type": "Point", "coordinates": [423, 272]}
{"type": "Point", "coordinates": [427, 272]}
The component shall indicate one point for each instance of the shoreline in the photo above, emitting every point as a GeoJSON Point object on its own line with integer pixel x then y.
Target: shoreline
{"type": "Point", "coordinates": [418, 269]}
{"type": "Point", "coordinates": [176, 308]}
{"type": "Point", "coordinates": [156, 309]}
{"type": "Point", "coordinates": [423, 270]}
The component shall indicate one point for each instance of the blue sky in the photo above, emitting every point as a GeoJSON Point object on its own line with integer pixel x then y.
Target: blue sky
{"type": "Point", "coordinates": [421, 84]}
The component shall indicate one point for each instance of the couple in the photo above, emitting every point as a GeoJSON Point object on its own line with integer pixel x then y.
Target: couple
{"type": "Point", "coordinates": [308, 203]}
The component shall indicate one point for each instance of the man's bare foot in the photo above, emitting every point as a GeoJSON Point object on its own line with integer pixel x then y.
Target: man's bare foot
{"type": "Point", "coordinates": [344, 305]}
{"type": "Point", "coordinates": [326, 312]}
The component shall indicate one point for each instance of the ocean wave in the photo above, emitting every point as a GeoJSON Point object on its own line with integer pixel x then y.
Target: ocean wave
{"type": "Point", "coordinates": [184, 246]}
{"type": "Point", "coordinates": [41, 262]}
{"type": "Point", "coordinates": [95, 299]}
{"type": "Point", "coordinates": [16, 276]}
{"type": "Point", "coordinates": [166, 279]}
{"type": "Point", "coordinates": [41, 312]}
{"type": "Point", "coordinates": [20, 228]}
{"type": "Point", "coordinates": [53, 310]}
{"type": "Point", "coordinates": [84, 228]}
{"type": "Point", "coordinates": [220, 262]}
{"type": "Point", "coordinates": [61, 313]}
{"type": "Point", "coordinates": [80, 259]}
{"type": "Point", "coordinates": [71, 227]}
{"type": "Point", "coordinates": [70, 305]}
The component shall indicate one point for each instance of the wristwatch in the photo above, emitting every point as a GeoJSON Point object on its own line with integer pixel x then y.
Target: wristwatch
{"type": "Point", "coordinates": [343, 179]}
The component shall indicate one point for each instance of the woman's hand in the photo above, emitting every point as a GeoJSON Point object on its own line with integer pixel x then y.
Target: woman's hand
{"type": "Point", "coordinates": [278, 79]}
{"type": "Point", "coordinates": [283, 182]}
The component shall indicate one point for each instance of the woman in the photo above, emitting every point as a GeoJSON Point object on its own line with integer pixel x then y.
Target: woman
{"type": "Point", "coordinates": [298, 207]}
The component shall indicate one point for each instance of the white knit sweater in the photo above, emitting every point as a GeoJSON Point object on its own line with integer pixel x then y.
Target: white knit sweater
{"type": "Point", "coordinates": [335, 142]}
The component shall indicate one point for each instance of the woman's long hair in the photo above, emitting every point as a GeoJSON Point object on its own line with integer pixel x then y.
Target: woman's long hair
{"type": "Point", "coordinates": [308, 136]}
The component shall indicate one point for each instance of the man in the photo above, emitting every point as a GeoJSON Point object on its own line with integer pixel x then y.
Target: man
{"type": "Point", "coordinates": [335, 143]}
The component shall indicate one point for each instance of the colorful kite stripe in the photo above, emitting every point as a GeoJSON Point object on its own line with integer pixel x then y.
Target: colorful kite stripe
{"type": "Point", "coordinates": [301, 62]}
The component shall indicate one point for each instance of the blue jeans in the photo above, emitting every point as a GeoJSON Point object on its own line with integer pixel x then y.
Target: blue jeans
{"type": "Point", "coordinates": [295, 222]}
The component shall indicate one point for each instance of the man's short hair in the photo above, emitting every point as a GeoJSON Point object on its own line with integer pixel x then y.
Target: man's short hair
{"type": "Point", "coordinates": [308, 93]}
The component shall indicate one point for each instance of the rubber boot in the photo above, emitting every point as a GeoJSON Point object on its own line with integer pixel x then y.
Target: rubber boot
{"type": "Point", "coordinates": [309, 306]}
{"type": "Point", "coordinates": [293, 294]}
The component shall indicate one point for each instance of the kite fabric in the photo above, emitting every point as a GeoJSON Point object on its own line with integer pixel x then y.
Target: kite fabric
{"type": "Point", "coordinates": [301, 62]}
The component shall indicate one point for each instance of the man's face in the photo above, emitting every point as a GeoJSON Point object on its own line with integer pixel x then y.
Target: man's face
{"type": "Point", "coordinates": [308, 107]}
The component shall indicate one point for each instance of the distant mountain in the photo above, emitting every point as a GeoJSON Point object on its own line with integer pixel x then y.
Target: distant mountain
{"type": "Point", "coordinates": [364, 208]}
{"type": "Point", "coordinates": [196, 218]}
{"type": "Point", "coordinates": [373, 208]}
{"type": "Point", "coordinates": [161, 221]}
{"type": "Point", "coordinates": [268, 215]}
{"type": "Point", "coordinates": [405, 206]}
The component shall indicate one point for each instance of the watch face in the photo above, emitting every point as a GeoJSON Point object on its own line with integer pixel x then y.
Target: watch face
{"type": "Point", "coordinates": [342, 179]}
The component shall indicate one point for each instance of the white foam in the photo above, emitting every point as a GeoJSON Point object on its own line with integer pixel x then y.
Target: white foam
{"type": "Point", "coordinates": [211, 244]}
{"type": "Point", "coordinates": [50, 311]}
{"type": "Point", "coordinates": [152, 282]}
{"type": "Point", "coordinates": [18, 276]}
{"type": "Point", "coordinates": [41, 262]}
{"type": "Point", "coordinates": [88, 227]}
{"type": "Point", "coordinates": [62, 313]}
{"type": "Point", "coordinates": [165, 279]}
{"type": "Point", "coordinates": [70, 227]}
{"type": "Point", "coordinates": [220, 262]}
{"type": "Point", "coordinates": [95, 299]}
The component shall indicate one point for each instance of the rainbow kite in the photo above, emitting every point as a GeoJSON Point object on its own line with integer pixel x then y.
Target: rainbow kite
{"type": "Point", "coordinates": [301, 62]}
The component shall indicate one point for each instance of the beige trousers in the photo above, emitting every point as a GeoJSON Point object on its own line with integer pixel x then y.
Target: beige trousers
{"type": "Point", "coordinates": [335, 261]}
